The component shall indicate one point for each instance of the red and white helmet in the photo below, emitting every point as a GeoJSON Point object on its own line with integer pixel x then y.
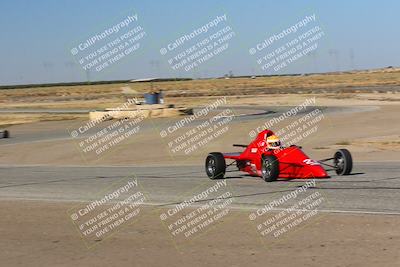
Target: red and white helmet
{"type": "Point", "coordinates": [273, 142]}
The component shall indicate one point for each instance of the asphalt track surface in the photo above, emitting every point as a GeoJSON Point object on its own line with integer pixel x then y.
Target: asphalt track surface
{"type": "Point", "coordinates": [372, 187]}
{"type": "Point", "coordinates": [244, 113]}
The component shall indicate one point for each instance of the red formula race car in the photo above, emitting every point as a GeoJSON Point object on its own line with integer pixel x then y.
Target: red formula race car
{"type": "Point", "coordinates": [265, 157]}
{"type": "Point", "coordinates": [4, 134]}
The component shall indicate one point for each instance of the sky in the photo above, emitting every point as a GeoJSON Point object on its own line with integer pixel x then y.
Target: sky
{"type": "Point", "coordinates": [37, 38]}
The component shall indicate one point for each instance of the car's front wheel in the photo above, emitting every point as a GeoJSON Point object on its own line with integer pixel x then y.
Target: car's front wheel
{"type": "Point", "coordinates": [269, 168]}
{"type": "Point", "coordinates": [343, 162]}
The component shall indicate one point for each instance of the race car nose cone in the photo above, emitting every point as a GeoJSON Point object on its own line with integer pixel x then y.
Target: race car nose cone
{"type": "Point", "coordinates": [317, 171]}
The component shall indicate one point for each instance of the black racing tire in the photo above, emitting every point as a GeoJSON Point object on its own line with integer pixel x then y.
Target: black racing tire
{"type": "Point", "coordinates": [6, 134]}
{"type": "Point", "coordinates": [269, 168]}
{"type": "Point", "coordinates": [343, 162]}
{"type": "Point", "coordinates": [215, 165]}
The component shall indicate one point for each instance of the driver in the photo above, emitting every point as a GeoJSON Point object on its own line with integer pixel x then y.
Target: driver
{"type": "Point", "coordinates": [273, 142]}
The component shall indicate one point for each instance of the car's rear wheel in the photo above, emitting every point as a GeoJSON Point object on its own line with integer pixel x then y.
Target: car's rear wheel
{"type": "Point", "coordinates": [343, 162]}
{"type": "Point", "coordinates": [215, 165]}
{"type": "Point", "coordinates": [269, 168]}
{"type": "Point", "coordinates": [6, 134]}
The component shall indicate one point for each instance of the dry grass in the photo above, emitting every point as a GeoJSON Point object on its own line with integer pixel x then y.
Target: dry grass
{"type": "Point", "coordinates": [13, 119]}
{"type": "Point", "coordinates": [343, 143]}
{"type": "Point", "coordinates": [96, 96]}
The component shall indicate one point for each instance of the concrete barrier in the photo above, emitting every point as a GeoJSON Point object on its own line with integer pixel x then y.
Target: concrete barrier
{"type": "Point", "coordinates": [146, 111]}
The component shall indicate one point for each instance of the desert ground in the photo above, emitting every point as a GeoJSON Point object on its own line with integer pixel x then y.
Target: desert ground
{"type": "Point", "coordinates": [44, 174]}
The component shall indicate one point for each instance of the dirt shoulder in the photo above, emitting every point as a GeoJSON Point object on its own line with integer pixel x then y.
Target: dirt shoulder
{"type": "Point", "coordinates": [41, 234]}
